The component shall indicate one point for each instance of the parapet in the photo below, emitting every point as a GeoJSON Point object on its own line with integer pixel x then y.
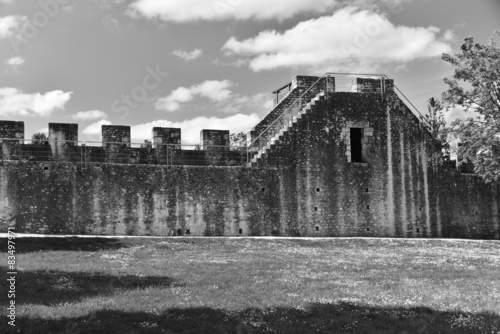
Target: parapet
{"type": "Point", "coordinates": [63, 132]}
{"type": "Point", "coordinates": [366, 85]}
{"type": "Point", "coordinates": [11, 130]}
{"type": "Point", "coordinates": [303, 81]}
{"type": "Point", "coordinates": [116, 134]}
{"type": "Point", "coordinates": [214, 138]}
{"type": "Point", "coordinates": [166, 135]}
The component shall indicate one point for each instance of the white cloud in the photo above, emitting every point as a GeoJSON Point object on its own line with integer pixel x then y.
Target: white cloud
{"type": "Point", "coordinates": [110, 22]}
{"type": "Point", "coordinates": [449, 35]}
{"type": "Point", "coordinates": [214, 90]}
{"type": "Point", "coordinates": [89, 115]}
{"type": "Point", "coordinates": [15, 102]}
{"type": "Point", "coordinates": [15, 63]}
{"type": "Point", "coordinates": [10, 24]}
{"type": "Point", "coordinates": [348, 40]}
{"type": "Point", "coordinates": [93, 131]}
{"type": "Point", "coordinates": [190, 129]}
{"type": "Point", "coordinates": [196, 53]}
{"type": "Point", "coordinates": [259, 103]}
{"type": "Point", "coordinates": [458, 112]}
{"type": "Point", "coordinates": [195, 10]}
{"type": "Point", "coordinates": [107, 4]}
{"type": "Point", "coordinates": [43, 130]}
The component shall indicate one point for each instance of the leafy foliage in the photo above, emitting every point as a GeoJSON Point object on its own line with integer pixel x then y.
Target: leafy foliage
{"type": "Point", "coordinates": [475, 86]}
{"type": "Point", "coordinates": [435, 117]}
{"type": "Point", "coordinates": [437, 126]}
{"type": "Point", "coordinates": [238, 139]}
{"type": "Point", "coordinates": [39, 138]}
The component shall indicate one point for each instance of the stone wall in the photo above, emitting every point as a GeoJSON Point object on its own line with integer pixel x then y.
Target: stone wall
{"type": "Point", "coordinates": [303, 89]}
{"type": "Point", "coordinates": [214, 138]}
{"type": "Point", "coordinates": [138, 199]}
{"type": "Point", "coordinates": [313, 181]}
{"type": "Point", "coordinates": [11, 130]}
{"type": "Point", "coordinates": [115, 134]}
{"type": "Point", "coordinates": [166, 135]}
{"type": "Point", "coordinates": [63, 137]}
{"type": "Point", "coordinates": [401, 189]}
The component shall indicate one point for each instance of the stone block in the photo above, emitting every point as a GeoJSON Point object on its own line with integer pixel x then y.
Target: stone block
{"type": "Point", "coordinates": [64, 132]}
{"type": "Point", "coordinates": [116, 134]}
{"type": "Point", "coordinates": [11, 130]}
{"type": "Point", "coordinates": [214, 138]}
{"type": "Point", "coordinates": [166, 135]}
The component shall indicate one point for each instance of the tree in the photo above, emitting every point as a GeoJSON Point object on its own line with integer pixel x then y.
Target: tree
{"type": "Point", "coordinates": [39, 138]}
{"type": "Point", "coordinates": [238, 139]}
{"type": "Point", "coordinates": [437, 126]}
{"type": "Point", "coordinates": [147, 144]}
{"type": "Point", "coordinates": [475, 86]}
{"type": "Point", "coordinates": [435, 117]}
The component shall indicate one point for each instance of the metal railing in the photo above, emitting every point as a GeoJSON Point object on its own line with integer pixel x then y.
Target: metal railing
{"type": "Point", "coordinates": [400, 94]}
{"type": "Point", "coordinates": [179, 154]}
{"type": "Point", "coordinates": [121, 153]}
{"type": "Point", "coordinates": [321, 84]}
{"type": "Point", "coordinates": [264, 136]}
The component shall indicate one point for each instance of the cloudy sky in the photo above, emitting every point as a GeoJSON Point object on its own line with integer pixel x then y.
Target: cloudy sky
{"type": "Point", "coordinates": [198, 64]}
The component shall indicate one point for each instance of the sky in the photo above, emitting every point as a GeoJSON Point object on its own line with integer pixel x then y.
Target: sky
{"type": "Point", "coordinates": [203, 64]}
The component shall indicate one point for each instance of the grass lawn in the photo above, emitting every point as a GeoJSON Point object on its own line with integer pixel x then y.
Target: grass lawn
{"type": "Point", "coordinates": [244, 285]}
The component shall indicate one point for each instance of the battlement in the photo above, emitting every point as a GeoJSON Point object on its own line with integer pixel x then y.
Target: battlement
{"type": "Point", "coordinates": [11, 130]}
{"type": "Point", "coordinates": [328, 160]}
{"type": "Point", "coordinates": [165, 148]}
{"type": "Point", "coordinates": [366, 85]}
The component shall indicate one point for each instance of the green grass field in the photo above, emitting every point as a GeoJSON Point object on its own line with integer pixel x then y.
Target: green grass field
{"type": "Point", "coordinates": [233, 285]}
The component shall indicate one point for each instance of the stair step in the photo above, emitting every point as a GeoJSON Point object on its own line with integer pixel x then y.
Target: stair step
{"type": "Point", "coordinates": [285, 126]}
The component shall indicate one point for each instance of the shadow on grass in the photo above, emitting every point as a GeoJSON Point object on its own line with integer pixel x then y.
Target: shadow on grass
{"type": "Point", "coordinates": [317, 318]}
{"type": "Point", "coordinates": [55, 287]}
{"type": "Point", "coordinates": [30, 245]}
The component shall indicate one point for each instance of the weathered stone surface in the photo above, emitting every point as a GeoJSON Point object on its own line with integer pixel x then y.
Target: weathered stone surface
{"type": "Point", "coordinates": [214, 138]}
{"type": "Point", "coordinates": [402, 190]}
{"type": "Point", "coordinates": [115, 199]}
{"type": "Point", "coordinates": [306, 183]}
{"type": "Point", "coordinates": [115, 134]}
{"type": "Point", "coordinates": [166, 135]}
{"type": "Point", "coordinates": [11, 130]}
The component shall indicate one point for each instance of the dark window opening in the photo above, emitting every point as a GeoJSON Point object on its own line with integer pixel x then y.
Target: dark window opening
{"type": "Point", "coordinates": [318, 190]}
{"type": "Point", "coordinates": [315, 208]}
{"type": "Point", "coordinates": [366, 190]}
{"type": "Point", "coordinates": [240, 231]}
{"type": "Point", "coordinates": [356, 145]}
{"type": "Point", "coordinates": [46, 168]}
{"type": "Point", "coordinates": [263, 189]}
{"type": "Point", "coordinates": [477, 213]}
{"type": "Point", "coordinates": [368, 207]}
{"type": "Point", "coordinates": [317, 228]}
{"type": "Point", "coordinates": [418, 230]}
{"type": "Point", "coordinates": [368, 229]}
{"type": "Point", "coordinates": [188, 231]}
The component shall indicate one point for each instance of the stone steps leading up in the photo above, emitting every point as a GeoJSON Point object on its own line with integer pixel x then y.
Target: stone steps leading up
{"type": "Point", "coordinates": [275, 140]}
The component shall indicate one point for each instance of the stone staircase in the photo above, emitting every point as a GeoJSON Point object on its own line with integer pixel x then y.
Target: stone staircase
{"type": "Point", "coordinates": [286, 124]}
{"type": "Point", "coordinates": [302, 89]}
